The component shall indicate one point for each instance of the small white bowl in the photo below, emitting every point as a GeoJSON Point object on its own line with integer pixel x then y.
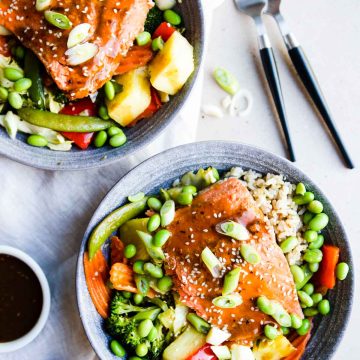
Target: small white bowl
{"type": "Point", "coordinates": [34, 332]}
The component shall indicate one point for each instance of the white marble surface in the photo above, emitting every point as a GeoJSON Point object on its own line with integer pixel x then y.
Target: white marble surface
{"type": "Point", "coordinates": [329, 32]}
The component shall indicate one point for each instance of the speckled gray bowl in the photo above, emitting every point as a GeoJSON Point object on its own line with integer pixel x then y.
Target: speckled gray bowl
{"type": "Point", "coordinates": [161, 170]}
{"type": "Point", "coordinates": [140, 135]}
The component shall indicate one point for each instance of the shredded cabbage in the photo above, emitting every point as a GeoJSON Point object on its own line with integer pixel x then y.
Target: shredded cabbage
{"type": "Point", "coordinates": [7, 62]}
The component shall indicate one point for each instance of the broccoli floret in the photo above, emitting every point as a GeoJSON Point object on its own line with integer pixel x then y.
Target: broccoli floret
{"type": "Point", "coordinates": [123, 322]}
{"type": "Point", "coordinates": [153, 20]}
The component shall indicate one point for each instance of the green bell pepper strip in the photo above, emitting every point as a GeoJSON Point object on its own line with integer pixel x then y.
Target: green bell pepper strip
{"type": "Point", "coordinates": [32, 69]}
{"type": "Point", "coordinates": [62, 122]}
{"type": "Point", "coordinates": [308, 275]}
{"type": "Point", "coordinates": [112, 222]}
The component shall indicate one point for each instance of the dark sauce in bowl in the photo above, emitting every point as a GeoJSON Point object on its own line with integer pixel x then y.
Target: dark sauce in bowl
{"type": "Point", "coordinates": [21, 298]}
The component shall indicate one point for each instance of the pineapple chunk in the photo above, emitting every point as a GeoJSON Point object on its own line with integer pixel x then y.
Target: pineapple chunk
{"type": "Point", "coordinates": [173, 65]}
{"type": "Point", "coordinates": [133, 100]}
{"type": "Point", "coordinates": [273, 349]}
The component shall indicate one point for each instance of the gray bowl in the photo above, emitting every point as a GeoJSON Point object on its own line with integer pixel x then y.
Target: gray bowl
{"type": "Point", "coordinates": [138, 136]}
{"type": "Point", "coordinates": [161, 170]}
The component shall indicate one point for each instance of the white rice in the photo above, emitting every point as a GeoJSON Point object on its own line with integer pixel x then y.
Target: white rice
{"type": "Point", "coordinates": [274, 196]}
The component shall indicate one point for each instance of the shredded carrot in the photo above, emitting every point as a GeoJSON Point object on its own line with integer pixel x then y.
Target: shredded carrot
{"type": "Point", "coordinates": [122, 277]}
{"type": "Point", "coordinates": [117, 251]}
{"type": "Point", "coordinates": [96, 274]}
{"type": "Point", "coordinates": [137, 56]}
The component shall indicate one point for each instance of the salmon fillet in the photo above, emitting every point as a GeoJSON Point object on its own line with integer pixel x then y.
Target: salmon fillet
{"type": "Point", "coordinates": [194, 228]}
{"type": "Point", "coordinates": [114, 26]}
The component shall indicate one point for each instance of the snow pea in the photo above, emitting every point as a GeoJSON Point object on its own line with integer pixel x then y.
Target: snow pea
{"type": "Point", "coordinates": [112, 222]}
{"type": "Point", "coordinates": [62, 122]}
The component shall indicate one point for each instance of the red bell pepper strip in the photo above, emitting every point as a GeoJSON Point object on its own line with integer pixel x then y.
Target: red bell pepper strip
{"type": "Point", "coordinates": [204, 353]}
{"type": "Point", "coordinates": [325, 276]}
{"type": "Point", "coordinates": [165, 30]}
{"type": "Point", "coordinates": [83, 106]}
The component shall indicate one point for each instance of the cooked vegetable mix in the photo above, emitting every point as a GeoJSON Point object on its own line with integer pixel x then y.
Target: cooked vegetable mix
{"type": "Point", "coordinates": [160, 309]}
{"type": "Point", "coordinates": [95, 84]}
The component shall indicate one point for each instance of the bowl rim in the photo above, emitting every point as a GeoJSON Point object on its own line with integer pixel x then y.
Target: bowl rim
{"type": "Point", "coordinates": [191, 148]}
{"type": "Point", "coordinates": [24, 340]}
{"type": "Point", "coordinates": [111, 156]}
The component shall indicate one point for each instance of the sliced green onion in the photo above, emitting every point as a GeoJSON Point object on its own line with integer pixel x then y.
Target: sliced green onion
{"type": "Point", "coordinates": [81, 53]}
{"type": "Point", "coordinates": [154, 252]}
{"type": "Point", "coordinates": [157, 44]}
{"type": "Point", "coordinates": [250, 254]}
{"type": "Point", "coordinates": [78, 34]}
{"type": "Point", "coordinates": [212, 262]}
{"type": "Point", "coordinates": [137, 197]}
{"type": "Point", "coordinates": [143, 38]}
{"type": "Point", "coordinates": [233, 229]}
{"type": "Point", "coordinates": [42, 5]}
{"type": "Point", "coordinates": [226, 81]}
{"type": "Point", "coordinates": [167, 212]}
{"type": "Point", "coordinates": [198, 323]}
{"type": "Point", "coordinates": [61, 21]}
{"type": "Point", "coordinates": [228, 301]}
{"type": "Point", "coordinates": [231, 281]}
{"type": "Point", "coordinates": [4, 31]}
{"type": "Point", "coordinates": [274, 309]}
{"type": "Point", "coordinates": [142, 284]}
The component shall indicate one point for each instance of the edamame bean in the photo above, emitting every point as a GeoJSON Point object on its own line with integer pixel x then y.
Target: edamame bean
{"type": "Point", "coordinates": [297, 273]}
{"type": "Point", "coordinates": [307, 217]}
{"type": "Point", "coordinates": [191, 189]}
{"type": "Point", "coordinates": [138, 298]}
{"type": "Point", "coordinates": [296, 321]}
{"type": "Point", "coordinates": [324, 307]}
{"type": "Point", "coordinates": [103, 113]}
{"type": "Point", "coordinates": [310, 235]}
{"type": "Point", "coordinates": [161, 237]}
{"type": "Point", "coordinates": [154, 204]}
{"type": "Point", "coordinates": [13, 74]}
{"type": "Point", "coordinates": [134, 358]}
{"type": "Point", "coordinates": [22, 84]}
{"type": "Point", "coordinates": [37, 140]}
{"type": "Point", "coordinates": [165, 284]}
{"type": "Point", "coordinates": [184, 199]}
{"type": "Point", "coordinates": [317, 297]}
{"type": "Point", "coordinates": [271, 332]}
{"type": "Point", "coordinates": [318, 243]}
{"type": "Point", "coordinates": [285, 331]}
{"type": "Point", "coordinates": [153, 223]}
{"type": "Point", "coordinates": [167, 212]}
{"type": "Point", "coordinates": [305, 298]}
{"type": "Point", "coordinates": [113, 130]}
{"type": "Point", "coordinates": [289, 244]}
{"type": "Point", "coordinates": [143, 38]}
{"type": "Point", "coordinates": [109, 90]}
{"type": "Point", "coordinates": [342, 269]}
{"type": "Point", "coordinates": [152, 334]}
{"type": "Point", "coordinates": [100, 139]}
{"type": "Point", "coordinates": [249, 254]}
{"type": "Point", "coordinates": [303, 199]}
{"type": "Point", "coordinates": [118, 140]}
{"type": "Point", "coordinates": [145, 327]}
{"type": "Point", "coordinates": [310, 312]}
{"type": "Point", "coordinates": [172, 17]}
{"type": "Point", "coordinates": [300, 189]}
{"type": "Point", "coordinates": [316, 207]}
{"type": "Point", "coordinates": [15, 100]}
{"type": "Point", "coordinates": [3, 94]}
{"type": "Point", "coordinates": [265, 305]}
{"type": "Point", "coordinates": [127, 294]}
{"type": "Point", "coordinates": [308, 288]}
{"type": "Point", "coordinates": [304, 328]}
{"type": "Point", "coordinates": [138, 267]}
{"type": "Point", "coordinates": [130, 251]}
{"type": "Point", "coordinates": [314, 267]}
{"type": "Point", "coordinates": [153, 270]}
{"type": "Point", "coordinates": [319, 222]}
{"type": "Point", "coordinates": [231, 281]}
{"type": "Point", "coordinates": [117, 348]}
{"type": "Point", "coordinates": [313, 256]}
{"type": "Point", "coordinates": [157, 44]}
{"type": "Point", "coordinates": [141, 350]}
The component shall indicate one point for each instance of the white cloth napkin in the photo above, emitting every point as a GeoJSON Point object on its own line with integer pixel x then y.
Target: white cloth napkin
{"type": "Point", "coordinates": [45, 214]}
